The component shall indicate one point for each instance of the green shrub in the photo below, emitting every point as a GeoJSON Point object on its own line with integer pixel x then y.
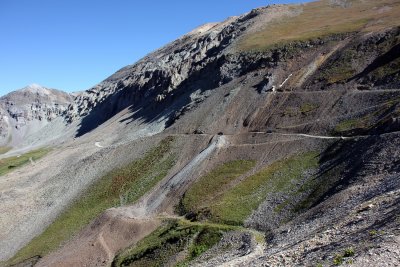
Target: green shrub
{"type": "Point", "coordinates": [338, 260]}
{"type": "Point", "coordinates": [172, 238]}
{"type": "Point", "coordinates": [348, 252]}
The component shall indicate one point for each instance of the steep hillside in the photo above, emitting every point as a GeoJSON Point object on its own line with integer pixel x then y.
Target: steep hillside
{"type": "Point", "coordinates": [269, 139]}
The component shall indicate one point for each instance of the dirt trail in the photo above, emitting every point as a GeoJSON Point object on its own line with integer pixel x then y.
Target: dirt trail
{"type": "Point", "coordinates": [310, 135]}
{"type": "Point", "coordinates": [98, 243]}
{"type": "Point", "coordinates": [316, 136]}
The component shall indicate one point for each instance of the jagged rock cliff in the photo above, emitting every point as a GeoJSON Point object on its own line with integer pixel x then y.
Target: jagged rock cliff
{"type": "Point", "coordinates": [199, 61]}
{"type": "Point", "coordinates": [177, 77]}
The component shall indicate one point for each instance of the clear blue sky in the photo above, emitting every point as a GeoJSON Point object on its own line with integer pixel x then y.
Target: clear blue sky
{"type": "Point", "coordinates": [74, 44]}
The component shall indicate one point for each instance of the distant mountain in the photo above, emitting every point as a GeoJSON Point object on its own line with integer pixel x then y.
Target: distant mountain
{"type": "Point", "coordinates": [29, 109]}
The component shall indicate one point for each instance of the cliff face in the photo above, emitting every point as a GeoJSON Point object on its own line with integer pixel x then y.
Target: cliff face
{"type": "Point", "coordinates": [175, 78]}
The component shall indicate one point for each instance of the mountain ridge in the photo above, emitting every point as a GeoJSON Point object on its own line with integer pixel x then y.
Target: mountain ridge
{"type": "Point", "coordinates": [290, 146]}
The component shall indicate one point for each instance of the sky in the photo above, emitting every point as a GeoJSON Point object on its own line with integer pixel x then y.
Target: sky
{"type": "Point", "coordinates": [72, 45]}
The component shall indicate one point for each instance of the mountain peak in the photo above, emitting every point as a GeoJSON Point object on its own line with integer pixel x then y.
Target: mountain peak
{"type": "Point", "coordinates": [35, 85]}
{"type": "Point", "coordinates": [36, 89]}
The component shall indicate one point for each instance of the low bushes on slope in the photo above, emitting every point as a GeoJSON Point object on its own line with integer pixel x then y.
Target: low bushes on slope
{"type": "Point", "coordinates": [202, 193]}
{"type": "Point", "coordinates": [9, 164]}
{"type": "Point", "coordinates": [373, 62]}
{"type": "Point", "coordinates": [382, 116]}
{"type": "Point", "coordinates": [176, 242]}
{"type": "Point", "coordinates": [121, 186]}
{"type": "Point", "coordinates": [235, 204]}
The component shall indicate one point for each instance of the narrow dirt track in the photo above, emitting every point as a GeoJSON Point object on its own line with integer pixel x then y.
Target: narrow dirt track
{"type": "Point", "coordinates": [318, 136]}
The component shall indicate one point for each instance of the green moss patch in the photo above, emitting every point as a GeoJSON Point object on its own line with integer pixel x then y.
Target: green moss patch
{"type": "Point", "coordinates": [121, 186]}
{"type": "Point", "coordinates": [4, 149]}
{"type": "Point", "coordinates": [9, 164]}
{"type": "Point", "coordinates": [237, 203]}
{"type": "Point", "coordinates": [214, 183]}
{"type": "Point", "coordinates": [307, 108]}
{"type": "Point", "coordinates": [352, 124]}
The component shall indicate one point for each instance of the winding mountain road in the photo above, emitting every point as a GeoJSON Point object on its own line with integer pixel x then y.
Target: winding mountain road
{"type": "Point", "coordinates": [318, 136]}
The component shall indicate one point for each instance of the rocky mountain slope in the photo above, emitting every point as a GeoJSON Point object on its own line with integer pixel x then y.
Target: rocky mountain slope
{"type": "Point", "coordinates": [26, 111]}
{"type": "Point", "coordinates": [269, 139]}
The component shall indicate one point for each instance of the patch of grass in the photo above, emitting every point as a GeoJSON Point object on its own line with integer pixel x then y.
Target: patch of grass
{"type": "Point", "coordinates": [371, 120]}
{"type": "Point", "coordinates": [339, 259]}
{"type": "Point", "coordinates": [237, 204]}
{"type": "Point", "coordinates": [167, 240]}
{"type": "Point", "coordinates": [343, 66]}
{"type": "Point", "coordinates": [290, 111]}
{"type": "Point", "coordinates": [207, 238]}
{"type": "Point", "coordinates": [386, 70]}
{"type": "Point", "coordinates": [171, 239]}
{"type": "Point", "coordinates": [373, 233]}
{"type": "Point", "coordinates": [259, 237]}
{"type": "Point", "coordinates": [11, 163]}
{"type": "Point", "coordinates": [338, 72]}
{"type": "Point", "coordinates": [4, 149]}
{"type": "Point", "coordinates": [308, 107]}
{"type": "Point", "coordinates": [341, 69]}
{"type": "Point", "coordinates": [126, 184]}
{"type": "Point", "coordinates": [209, 186]}
{"type": "Point", "coordinates": [316, 188]}
{"type": "Point", "coordinates": [391, 67]}
{"type": "Point", "coordinates": [348, 252]}
{"type": "Point", "coordinates": [304, 109]}
{"type": "Point", "coordinates": [321, 18]}
{"type": "Point", "coordinates": [352, 124]}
